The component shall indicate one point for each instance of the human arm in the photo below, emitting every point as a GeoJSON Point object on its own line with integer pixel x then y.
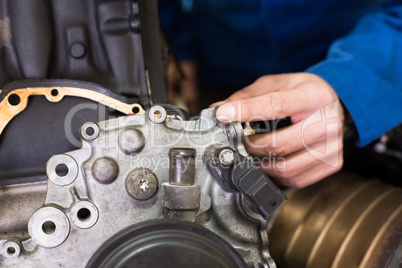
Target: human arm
{"type": "Point", "coordinates": [364, 69]}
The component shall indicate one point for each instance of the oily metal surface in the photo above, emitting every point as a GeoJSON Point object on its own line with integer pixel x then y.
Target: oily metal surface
{"type": "Point", "coordinates": [343, 221]}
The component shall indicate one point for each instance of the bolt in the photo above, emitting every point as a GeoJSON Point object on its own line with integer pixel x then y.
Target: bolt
{"type": "Point", "coordinates": [226, 157]}
{"type": "Point", "coordinates": [141, 184]}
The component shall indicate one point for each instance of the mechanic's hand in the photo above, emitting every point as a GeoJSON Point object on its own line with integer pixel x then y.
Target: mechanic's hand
{"type": "Point", "coordinates": [187, 85]}
{"type": "Point", "coordinates": [308, 150]}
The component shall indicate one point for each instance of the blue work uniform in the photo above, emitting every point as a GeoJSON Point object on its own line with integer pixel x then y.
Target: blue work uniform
{"type": "Point", "coordinates": [355, 45]}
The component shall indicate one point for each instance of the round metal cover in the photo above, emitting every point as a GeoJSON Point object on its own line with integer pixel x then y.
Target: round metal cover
{"type": "Point", "coordinates": [166, 244]}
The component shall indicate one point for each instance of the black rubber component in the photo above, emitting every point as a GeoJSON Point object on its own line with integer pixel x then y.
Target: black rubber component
{"type": "Point", "coordinates": [257, 187]}
{"type": "Point", "coordinates": [244, 176]}
{"type": "Point", "coordinates": [261, 127]}
{"type": "Point", "coordinates": [166, 244]}
{"type": "Point", "coordinates": [173, 110]}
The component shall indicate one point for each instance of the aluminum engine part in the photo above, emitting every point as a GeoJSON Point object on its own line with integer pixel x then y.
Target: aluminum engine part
{"type": "Point", "coordinates": [132, 171]}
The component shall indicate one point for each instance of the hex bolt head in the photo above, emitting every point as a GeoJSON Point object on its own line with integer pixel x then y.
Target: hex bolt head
{"type": "Point", "coordinates": [105, 170]}
{"type": "Point", "coordinates": [131, 141]}
{"type": "Point", "coordinates": [141, 184]}
{"type": "Point", "coordinates": [226, 157]}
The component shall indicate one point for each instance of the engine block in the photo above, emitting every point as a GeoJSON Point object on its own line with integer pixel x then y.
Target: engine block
{"type": "Point", "coordinates": [140, 193]}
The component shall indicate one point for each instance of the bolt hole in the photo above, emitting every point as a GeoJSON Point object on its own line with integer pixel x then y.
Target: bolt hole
{"type": "Point", "coordinates": [61, 170]}
{"type": "Point", "coordinates": [14, 99]}
{"type": "Point", "coordinates": [90, 131]}
{"type": "Point", "coordinates": [272, 203]}
{"type": "Point", "coordinates": [54, 92]}
{"type": "Point", "coordinates": [136, 110]}
{"type": "Point", "coordinates": [157, 115]}
{"type": "Point", "coordinates": [84, 214]}
{"type": "Point", "coordinates": [48, 227]}
{"type": "Point", "coordinates": [11, 250]}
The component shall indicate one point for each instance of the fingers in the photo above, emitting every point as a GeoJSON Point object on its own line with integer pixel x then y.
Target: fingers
{"type": "Point", "coordinates": [265, 84]}
{"type": "Point", "coordinates": [314, 174]}
{"type": "Point", "coordinates": [301, 154]}
{"type": "Point", "coordinates": [271, 105]}
{"type": "Point", "coordinates": [308, 150]}
{"type": "Point", "coordinates": [304, 167]}
{"type": "Point", "coordinates": [293, 138]}
{"type": "Point", "coordinates": [305, 159]}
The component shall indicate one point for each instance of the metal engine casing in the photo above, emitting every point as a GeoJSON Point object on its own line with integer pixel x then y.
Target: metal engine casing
{"type": "Point", "coordinates": [98, 197]}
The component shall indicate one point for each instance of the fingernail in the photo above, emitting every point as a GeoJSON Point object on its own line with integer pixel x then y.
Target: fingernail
{"type": "Point", "coordinates": [225, 113]}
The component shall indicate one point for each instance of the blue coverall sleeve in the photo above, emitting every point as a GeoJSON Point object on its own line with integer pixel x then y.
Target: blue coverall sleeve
{"type": "Point", "coordinates": [365, 69]}
{"type": "Point", "coordinates": [175, 21]}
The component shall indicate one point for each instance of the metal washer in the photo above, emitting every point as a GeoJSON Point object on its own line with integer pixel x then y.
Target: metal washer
{"type": "Point", "coordinates": [66, 160]}
{"type": "Point", "coordinates": [11, 244]}
{"type": "Point", "coordinates": [157, 109]}
{"type": "Point", "coordinates": [85, 127]}
{"type": "Point", "coordinates": [61, 230]}
{"type": "Point", "coordinates": [88, 222]}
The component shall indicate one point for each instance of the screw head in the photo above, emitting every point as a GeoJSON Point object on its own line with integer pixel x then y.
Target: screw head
{"type": "Point", "coordinates": [141, 184]}
{"type": "Point", "coordinates": [226, 157]}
